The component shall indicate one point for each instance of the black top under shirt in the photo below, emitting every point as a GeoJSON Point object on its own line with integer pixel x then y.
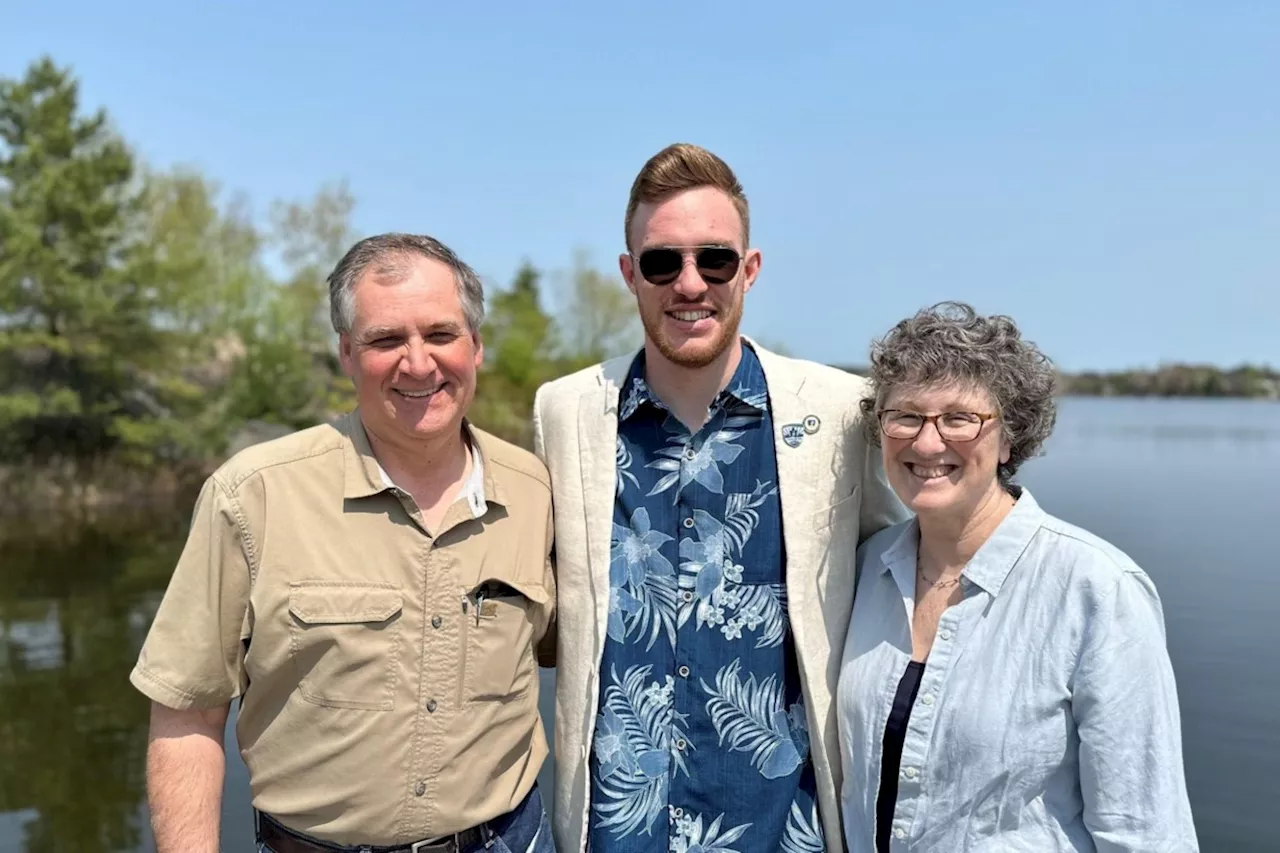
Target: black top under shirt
{"type": "Point", "coordinates": [895, 732]}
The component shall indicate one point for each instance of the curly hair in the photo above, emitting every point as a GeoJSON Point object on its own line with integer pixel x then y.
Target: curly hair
{"type": "Point", "coordinates": [950, 342]}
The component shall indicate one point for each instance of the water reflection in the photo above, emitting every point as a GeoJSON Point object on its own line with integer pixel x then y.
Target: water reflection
{"type": "Point", "coordinates": [75, 605]}
{"type": "Point", "coordinates": [1155, 422]}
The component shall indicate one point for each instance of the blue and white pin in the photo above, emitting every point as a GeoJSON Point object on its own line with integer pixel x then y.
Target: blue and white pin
{"type": "Point", "coordinates": [793, 434]}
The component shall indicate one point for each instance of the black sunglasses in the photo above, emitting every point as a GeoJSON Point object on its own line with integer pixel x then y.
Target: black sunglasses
{"type": "Point", "coordinates": [716, 264]}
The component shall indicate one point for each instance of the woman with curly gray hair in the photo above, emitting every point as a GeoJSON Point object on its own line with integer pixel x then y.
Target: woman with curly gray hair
{"type": "Point", "coordinates": [1005, 683]}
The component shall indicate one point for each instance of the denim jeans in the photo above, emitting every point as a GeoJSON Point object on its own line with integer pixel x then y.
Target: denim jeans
{"type": "Point", "coordinates": [528, 830]}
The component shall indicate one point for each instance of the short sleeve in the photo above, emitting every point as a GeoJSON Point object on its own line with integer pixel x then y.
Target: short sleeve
{"type": "Point", "coordinates": [193, 653]}
{"type": "Point", "coordinates": [1125, 702]}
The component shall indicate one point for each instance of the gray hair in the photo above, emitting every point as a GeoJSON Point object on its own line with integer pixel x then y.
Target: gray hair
{"type": "Point", "coordinates": [950, 342]}
{"type": "Point", "coordinates": [390, 255]}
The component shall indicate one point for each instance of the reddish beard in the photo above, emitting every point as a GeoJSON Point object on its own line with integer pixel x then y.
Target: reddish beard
{"type": "Point", "coordinates": [701, 353]}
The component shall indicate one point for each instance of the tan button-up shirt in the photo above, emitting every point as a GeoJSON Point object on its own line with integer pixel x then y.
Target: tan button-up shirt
{"type": "Point", "coordinates": [387, 673]}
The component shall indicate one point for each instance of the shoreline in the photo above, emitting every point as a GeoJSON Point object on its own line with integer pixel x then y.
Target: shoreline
{"type": "Point", "coordinates": [61, 492]}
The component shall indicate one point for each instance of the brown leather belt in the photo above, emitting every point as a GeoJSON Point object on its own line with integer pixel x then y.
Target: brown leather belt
{"type": "Point", "coordinates": [282, 840]}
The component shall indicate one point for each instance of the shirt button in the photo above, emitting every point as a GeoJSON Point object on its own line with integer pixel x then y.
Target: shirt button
{"type": "Point", "coordinates": [946, 635]}
{"type": "Point", "coordinates": [898, 833]}
{"type": "Point", "coordinates": [431, 706]}
{"type": "Point", "coordinates": [679, 812]}
{"type": "Point", "coordinates": [689, 453]}
{"type": "Point", "coordinates": [684, 672]}
{"type": "Point", "coordinates": [688, 522]}
{"type": "Point", "coordinates": [681, 744]}
{"type": "Point", "coordinates": [911, 773]}
{"type": "Point", "coordinates": [928, 700]}
{"type": "Point", "coordinates": [436, 621]}
{"type": "Point", "coordinates": [421, 789]}
{"type": "Point", "coordinates": [686, 595]}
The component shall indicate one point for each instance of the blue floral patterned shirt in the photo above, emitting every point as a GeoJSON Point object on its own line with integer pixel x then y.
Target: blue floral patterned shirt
{"type": "Point", "coordinates": [701, 741]}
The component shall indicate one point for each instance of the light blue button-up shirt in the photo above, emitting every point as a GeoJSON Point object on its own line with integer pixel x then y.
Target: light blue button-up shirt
{"type": "Point", "coordinates": [1047, 716]}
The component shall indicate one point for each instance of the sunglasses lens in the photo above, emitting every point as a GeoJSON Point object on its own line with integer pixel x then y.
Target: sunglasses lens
{"type": "Point", "coordinates": [660, 266]}
{"type": "Point", "coordinates": [718, 266]}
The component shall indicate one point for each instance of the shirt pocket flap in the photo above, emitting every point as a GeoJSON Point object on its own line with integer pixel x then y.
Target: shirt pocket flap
{"type": "Point", "coordinates": [343, 603]}
{"type": "Point", "coordinates": [495, 587]}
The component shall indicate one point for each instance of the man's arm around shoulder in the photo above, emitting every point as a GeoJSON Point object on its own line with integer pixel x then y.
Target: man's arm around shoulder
{"type": "Point", "coordinates": [548, 404]}
{"type": "Point", "coordinates": [186, 766]}
{"type": "Point", "coordinates": [881, 507]}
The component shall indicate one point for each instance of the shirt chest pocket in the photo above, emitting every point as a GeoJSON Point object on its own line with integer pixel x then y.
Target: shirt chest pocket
{"type": "Point", "coordinates": [344, 642]}
{"type": "Point", "coordinates": [503, 617]}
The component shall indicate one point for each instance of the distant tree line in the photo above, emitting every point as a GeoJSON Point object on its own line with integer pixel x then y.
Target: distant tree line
{"type": "Point", "coordinates": [149, 324]}
{"type": "Point", "coordinates": [1170, 380]}
{"type": "Point", "coordinates": [1177, 380]}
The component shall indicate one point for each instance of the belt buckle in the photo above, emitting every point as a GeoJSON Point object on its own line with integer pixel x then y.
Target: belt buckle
{"type": "Point", "coordinates": [427, 845]}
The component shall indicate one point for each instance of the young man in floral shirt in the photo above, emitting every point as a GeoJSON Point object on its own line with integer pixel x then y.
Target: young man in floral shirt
{"type": "Point", "coordinates": [709, 500]}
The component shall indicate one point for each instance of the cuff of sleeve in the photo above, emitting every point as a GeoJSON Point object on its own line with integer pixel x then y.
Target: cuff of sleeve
{"type": "Point", "coordinates": [163, 693]}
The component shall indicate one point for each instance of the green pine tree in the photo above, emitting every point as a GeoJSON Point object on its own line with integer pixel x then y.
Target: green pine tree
{"type": "Point", "coordinates": [76, 323]}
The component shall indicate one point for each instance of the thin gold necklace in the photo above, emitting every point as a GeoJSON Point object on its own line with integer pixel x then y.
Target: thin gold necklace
{"type": "Point", "coordinates": [938, 584]}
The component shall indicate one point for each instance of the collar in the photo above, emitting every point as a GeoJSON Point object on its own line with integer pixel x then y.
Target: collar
{"type": "Point", "coordinates": [989, 568]}
{"type": "Point", "coordinates": [361, 476]}
{"type": "Point", "coordinates": [472, 491]}
{"type": "Point", "coordinates": [365, 476]}
{"type": "Point", "coordinates": [746, 388]}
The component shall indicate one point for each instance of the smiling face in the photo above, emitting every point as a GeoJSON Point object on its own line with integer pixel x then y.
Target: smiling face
{"type": "Point", "coordinates": [410, 354]}
{"type": "Point", "coordinates": [690, 322]}
{"type": "Point", "coordinates": [938, 477]}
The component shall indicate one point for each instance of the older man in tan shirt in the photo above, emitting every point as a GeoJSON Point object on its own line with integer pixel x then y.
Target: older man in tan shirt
{"type": "Point", "coordinates": [377, 592]}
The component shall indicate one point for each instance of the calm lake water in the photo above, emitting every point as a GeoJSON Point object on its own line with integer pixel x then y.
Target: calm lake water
{"type": "Point", "coordinates": [1188, 488]}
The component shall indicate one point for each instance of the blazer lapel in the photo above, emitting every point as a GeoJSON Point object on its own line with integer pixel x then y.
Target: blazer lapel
{"type": "Point", "coordinates": [797, 473]}
{"type": "Point", "coordinates": [598, 440]}
{"type": "Point", "coordinates": [798, 453]}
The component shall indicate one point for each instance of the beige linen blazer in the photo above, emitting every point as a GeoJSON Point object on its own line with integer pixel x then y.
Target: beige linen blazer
{"type": "Point", "coordinates": [833, 494]}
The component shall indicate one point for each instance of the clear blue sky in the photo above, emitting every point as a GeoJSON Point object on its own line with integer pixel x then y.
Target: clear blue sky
{"type": "Point", "coordinates": [1106, 172]}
